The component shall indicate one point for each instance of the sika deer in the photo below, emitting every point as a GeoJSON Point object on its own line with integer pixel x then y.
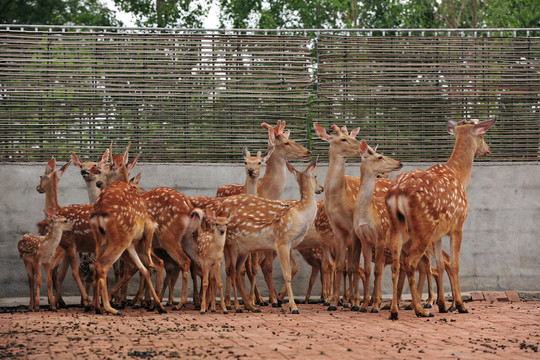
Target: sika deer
{"type": "Point", "coordinates": [263, 224]}
{"type": "Point", "coordinates": [371, 219]}
{"type": "Point", "coordinates": [37, 251]}
{"type": "Point", "coordinates": [426, 205]}
{"type": "Point", "coordinates": [89, 177]}
{"type": "Point", "coordinates": [210, 243]}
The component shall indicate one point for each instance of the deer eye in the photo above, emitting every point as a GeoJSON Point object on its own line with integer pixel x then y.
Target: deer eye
{"type": "Point", "coordinates": [344, 140]}
{"type": "Point", "coordinates": [245, 162]}
{"type": "Point", "coordinates": [260, 163]}
{"type": "Point", "coordinates": [380, 158]}
{"type": "Point", "coordinates": [287, 143]}
{"type": "Point", "coordinates": [370, 152]}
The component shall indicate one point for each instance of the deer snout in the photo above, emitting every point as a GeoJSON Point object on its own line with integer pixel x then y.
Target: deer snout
{"type": "Point", "coordinates": [85, 172]}
{"type": "Point", "coordinates": [40, 189]}
{"type": "Point", "coordinates": [399, 166]}
{"type": "Point", "coordinates": [99, 184]}
{"type": "Point", "coordinates": [222, 232]}
{"type": "Point", "coordinates": [250, 171]}
{"type": "Point", "coordinates": [319, 189]}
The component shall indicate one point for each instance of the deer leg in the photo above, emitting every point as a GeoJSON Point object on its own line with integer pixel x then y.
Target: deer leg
{"type": "Point", "coordinates": [341, 242]}
{"type": "Point", "coordinates": [268, 268]}
{"type": "Point", "coordinates": [437, 248]}
{"type": "Point", "coordinates": [294, 270]}
{"type": "Point", "coordinates": [183, 261]}
{"type": "Point", "coordinates": [31, 276]}
{"type": "Point", "coordinates": [219, 284]}
{"type": "Point", "coordinates": [50, 297]}
{"type": "Point", "coordinates": [376, 297]}
{"type": "Point", "coordinates": [284, 254]}
{"type": "Point", "coordinates": [205, 271]}
{"type": "Point", "coordinates": [251, 272]}
{"type": "Point", "coordinates": [315, 269]}
{"type": "Point", "coordinates": [241, 284]}
{"type": "Point", "coordinates": [356, 273]}
{"type": "Point", "coordinates": [455, 246]}
{"type": "Point", "coordinates": [411, 262]}
{"type": "Point", "coordinates": [367, 251]}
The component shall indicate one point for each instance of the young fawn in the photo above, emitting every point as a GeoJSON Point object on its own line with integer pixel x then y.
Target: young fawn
{"type": "Point", "coordinates": [426, 205]}
{"type": "Point", "coordinates": [211, 235]}
{"type": "Point", "coordinates": [37, 251]}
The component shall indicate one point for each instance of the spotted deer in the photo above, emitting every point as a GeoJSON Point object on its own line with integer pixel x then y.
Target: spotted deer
{"type": "Point", "coordinates": [89, 177]}
{"type": "Point", "coordinates": [340, 197]}
{"type": "Point", "coordinates": [370, 219]}
{"type": "Point", "coordinates": [262, 224]}
{"type": "Point", "coordinates": [211, 237]}
{"type": "Point", "coordinates": [271, 186]}
{"type": "Point", "coordinates": [37, 251]}
{"type": "Point", "coordinates": [79, 240]}
{"type": "Point", "coordinates": [252, 167]}
{"type": "Point", "coordinates": [426, 205]}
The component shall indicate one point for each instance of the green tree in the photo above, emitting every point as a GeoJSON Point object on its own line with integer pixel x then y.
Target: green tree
{"type": "Point", "coordinates": [57, 12]}
{"type": "Point", "coordinates": [166, 13]}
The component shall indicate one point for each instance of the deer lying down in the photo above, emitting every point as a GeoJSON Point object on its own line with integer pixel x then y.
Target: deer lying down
{"type": "Point", "coordinates": [37, 251]}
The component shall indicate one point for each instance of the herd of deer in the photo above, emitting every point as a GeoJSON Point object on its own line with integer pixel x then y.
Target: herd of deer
{"type": "Point", "coordinates": [397, 222]}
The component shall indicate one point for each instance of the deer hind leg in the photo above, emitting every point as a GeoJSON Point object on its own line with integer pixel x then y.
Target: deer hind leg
{"type": "Point", "coordinates": [455, 246]}
{"type": "Point", "coordinates": [339, 269]}
{"type": "Point", "coordinates": [355, 274]}
{"type": "Point", "coordinates": [437, 248]}
{"type": "Point", "coordinates": [50, 296]}
{"type": "Point", "coordinates": [146, 274]}
{"type": "Point", "coordinates": [241, 284]}
{"type": "Point", "coordinates": [251, 272]}
{"type": "Point", "coordinates": [205, 271]}
{"type": "Point", "coordinates": [268, 268]}
{"type": "Point", "coordinates": [367, 252]}
{"type": "Point", "coordinates": [60, 256]}
{"type": "Point", "coordinates": [31, 276]}
{"type": "Point", "coordinates": [411, 262]}
{"type": "Point", "coordinates": [219, 284]}
{"type": "Point", "coordinates": [71, 255]}
{"type": "Point", "coordinates": [229, 275]}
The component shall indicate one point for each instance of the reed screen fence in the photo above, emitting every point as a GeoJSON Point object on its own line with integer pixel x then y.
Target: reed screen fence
{"type": "Point", "coordinates": [201, 95]}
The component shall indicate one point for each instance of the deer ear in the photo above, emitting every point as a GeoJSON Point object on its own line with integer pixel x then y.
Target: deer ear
{"type": "Point", "coordinates": [231, 215]}
{"type": "Point", "coordinates": [76, 161]}
{"type": "Point", "coordinates": [136, 179]}
{"type": "Point", "coordinates": [355, 132]}
{"type": "Point", "coordinates": [287, 134]}
{"type": "Point", "coordinates": [126, 154]}
{"type": "Point", "coordinates": [63, 169]}
{"type": "Point", "coordinates": [267, 156]}
{"type": "Point", "coordinates": [363, 149]}
{"type": "Point", "coordinates": [95, 170]}
{"type": "Point", "coordinates": [271, 137]}
{"type": "Point", "coordinates": [291, 169]}
{"type": "Point", "coordinates": [245, 152]}
{"type": "Point", "coordinates": [104, 158]}
{"type": "Point", "coordinates": [50, 214]}
{"type": "Point", "coordinates": [210, 215]}
{"type": "Point", "coordinates": [311, 167]}
{"type": "Point", "coordinates": [132, 163]}
{"type": "Point", "coordinates": [195, 219]}
{"type": "Point", "coordinates": [280, 128]}
{"type": "Point", "coordinates": [50, 166]}
{"type": "Point", "coordinates": [451, 126]}
{"type": "Point", "coordinates": [321, 132]}
{"type": "Point", "coordinates": [480, 129]}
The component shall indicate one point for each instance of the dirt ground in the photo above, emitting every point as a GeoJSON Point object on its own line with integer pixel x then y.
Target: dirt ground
{"type": "Point", "coordinates": [491, 330]}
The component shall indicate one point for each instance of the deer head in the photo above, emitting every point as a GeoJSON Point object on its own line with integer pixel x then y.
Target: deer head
{"type": "Point", "coordinates": [375, 163]}
{"type": "Point", "coordinates": [119, 169]}
{"type": "Point", "coordinates": [307, 179]}
{"type": "Point", "coordinates": [57, 221]}
{"type": "Point", "coordinates": [341, 143]}
{"type": "Point", "coordinates": [253, 164]}
{"type": "Point", "coordinates": [284, 147]}
{"type": "Point", "coordinates": [87, 165]}
{"type": "Point", "coordinates": [474, 131]}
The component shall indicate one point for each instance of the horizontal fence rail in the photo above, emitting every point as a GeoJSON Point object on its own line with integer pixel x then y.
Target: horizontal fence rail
{"type": "Point", "coordinates": [201, 95]}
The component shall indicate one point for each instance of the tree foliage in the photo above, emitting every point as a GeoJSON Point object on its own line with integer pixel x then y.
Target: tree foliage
{"type": "Point", "coordinates": [57, 12]}
{"type": "Point", "coordinates": [166, 13]}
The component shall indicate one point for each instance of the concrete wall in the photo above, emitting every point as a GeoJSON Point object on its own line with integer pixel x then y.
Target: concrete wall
{"type": "Point", "coordinates": [500, 245]}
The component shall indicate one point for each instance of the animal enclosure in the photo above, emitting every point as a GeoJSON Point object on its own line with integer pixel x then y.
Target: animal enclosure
{"type": "Point", "coordinates": [189, 96]}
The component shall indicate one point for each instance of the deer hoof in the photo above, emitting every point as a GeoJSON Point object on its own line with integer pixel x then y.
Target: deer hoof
{"type": "Point", "coordinates": [239, 311]}
{"type": "Point", "coordinates": [359, 309]}
{"type": "Point", "coordinates": [386, 307]}
{"type": "Point", "coordinates": [161, 310]}
{"type": "Point", "coordinates": [332, 308]}
{"type": "Point", "coordinates": [442, 309]}
{"type": "Point", "coordinates": [295, 312]}
{"type": "Point", "coordinates": [118, 313]}
{"type": "Point", "coordinates": [374, 311]}
{"type": "Point", "coordinates": [263, 303]}
{"type": "Point", "coordinates": [393, 315]}
{"type": "Point", "coordinates": [225, 312]}
{"type": "Point", "coordinates": [408, 307]}
{"type": "Point", "coordinates": [203, 312]}
{"type": "Point", "coordinates": [326, 303]}
{"type": "Point", "coordinates": [422, 314]}
{"type": "Point", "coordinates": [462, 309]}
{"type": "Point", "coordinates": [275, 305]}
{"type": "Point", "coordinates": [87, 308]}
{"type": "Point", "coordinates": [427, 306]}
{"type": "Point", "coordinates": [452, 308]}
{"type": "Point", "coordinates": [257, 310]}
{"type": "Point", "coordinates": [229, 307]}
{"type": "Point", "coordinates": [136, 306]}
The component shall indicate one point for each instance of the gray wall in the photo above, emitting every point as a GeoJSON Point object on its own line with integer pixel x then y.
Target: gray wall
{"type": "Point", "coordinates": [500, 245]}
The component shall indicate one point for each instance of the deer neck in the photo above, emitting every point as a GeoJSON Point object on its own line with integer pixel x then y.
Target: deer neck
{"type": "Point", "coordinates": [307, 195]}
{"type": "Point", "coordinates": [93, 191]}
{"type": "Point", "coordinates": [462, 158]}
{"type": "Point", "coordinates": [250, 186]}
{"type": "Point", "coordinates": [54, 234]}
{"type": "Point", "coordinates": [367, 187]}
{"type": "Point", "coordinates": [51, 196]}
{"type": "Point", "coordinates": [272, 184]}
{"type": "Point", "coordinates": [335, 178]}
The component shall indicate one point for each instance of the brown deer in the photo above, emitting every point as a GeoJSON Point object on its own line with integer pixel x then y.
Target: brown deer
{"type": "Point", "coordinates": [339, 199]}
{"type": "Point", "coordinates": [37, 251]}
{"type": "Point", "coordinates": [211, 235]}
{"type": "Point", "coordinates": [262, 224]}
{"type": "Point", "coordinates": [120, 222]}
{"type": "Point", "coordinates": [79, 240]}
{"type": "Point", "coordinates": [426, 205]}
{"type": "Point", "coordinates": [89, 177]}
{"type": "Point", "coordinates": [270, 186]}
{"type": "Point", "coordinates": [371, 220]}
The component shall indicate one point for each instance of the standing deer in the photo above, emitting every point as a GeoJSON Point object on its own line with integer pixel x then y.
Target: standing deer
{"type": "Point", "coordinates": [426, 205]}
{"type": "Point", "coordinates": [339, 199]}
{"type": "Point", "coordinates": [262, 224]}
{"type": "Point", "coordinates": [37, 251]}
{"type": "Point", "coordinates": [90, 177]}
{"type": "Point", "coordinates": [371, 220]}
{"type": "Point", "coordinates": [270, 186]}
{"type": "Point", "coordinates": [211, 237]}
